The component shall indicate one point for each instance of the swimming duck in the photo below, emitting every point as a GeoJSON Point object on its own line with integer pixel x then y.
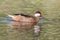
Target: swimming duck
{"type": "Point", "coordinates": [26, 18]}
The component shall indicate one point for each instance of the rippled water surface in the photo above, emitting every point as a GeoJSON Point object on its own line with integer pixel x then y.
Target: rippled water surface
{"type": "Point", "coordinates": [11, 30]}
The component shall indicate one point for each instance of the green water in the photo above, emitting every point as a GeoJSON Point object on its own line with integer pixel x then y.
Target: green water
{"type": "Point", "coordinates": [50, 29]}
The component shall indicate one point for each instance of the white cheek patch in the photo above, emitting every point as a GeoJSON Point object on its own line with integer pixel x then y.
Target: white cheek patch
{"type": "Point", "coordinates": [37, 14]}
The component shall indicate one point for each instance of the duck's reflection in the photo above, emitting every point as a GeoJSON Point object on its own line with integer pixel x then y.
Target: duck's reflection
{"type": "Point", "coordinates": [24, 29]}
{"type": "Point", "coordinates": [25, 26]}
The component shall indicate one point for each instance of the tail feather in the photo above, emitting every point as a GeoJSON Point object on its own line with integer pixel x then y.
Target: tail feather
{"type": "Point", "coordinates": [10, 15]}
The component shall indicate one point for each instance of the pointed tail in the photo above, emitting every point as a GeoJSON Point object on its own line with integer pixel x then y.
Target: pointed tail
{"type": "Point", "coordinates": [9, 15]}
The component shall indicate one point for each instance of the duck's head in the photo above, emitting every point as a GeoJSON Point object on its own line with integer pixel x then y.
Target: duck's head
{"type": "Point", "coordinates": [38, 14]}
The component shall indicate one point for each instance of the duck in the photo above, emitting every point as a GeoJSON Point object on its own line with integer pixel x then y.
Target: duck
{"type": "Point", "coordinates": [27, 18]}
